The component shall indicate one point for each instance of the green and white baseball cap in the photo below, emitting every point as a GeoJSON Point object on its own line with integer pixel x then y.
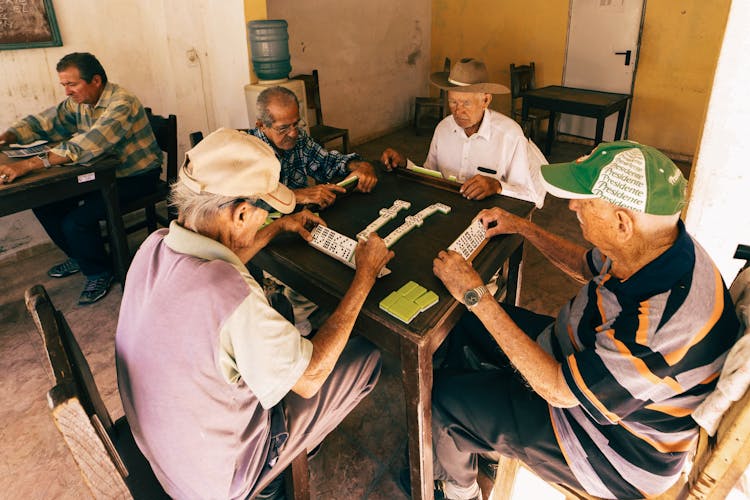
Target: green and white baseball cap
{"type": "Point", "coordinates": [624, 173]}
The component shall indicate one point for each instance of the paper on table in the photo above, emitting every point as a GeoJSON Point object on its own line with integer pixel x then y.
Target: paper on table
{"type": "Point", "coordinates": [29, 145]}
{"type": "Point", "coordinates": [32, 149]}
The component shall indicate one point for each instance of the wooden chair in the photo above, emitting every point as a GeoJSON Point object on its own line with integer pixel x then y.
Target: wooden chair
{"type": "Point", "coordinates": [523, 78]}
{"type": "Point", "coordinates": [430, 108]}
{"type": "Point", "coordinates": [319, 132]}
{"type": "Point", "coordinates": [111, 464]}
{"type": "Point", "coordinates": [718, 463]}
{"type": "Point", "coordinates": [165, 131]}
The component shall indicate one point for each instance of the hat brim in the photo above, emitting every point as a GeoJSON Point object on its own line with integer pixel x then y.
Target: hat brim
{"type": "Point", "coordinates": [560, 182]}
{"type": "Point", "coordinates": [282, 199]}
{"type": "Point", "coordinates": [440, 80]}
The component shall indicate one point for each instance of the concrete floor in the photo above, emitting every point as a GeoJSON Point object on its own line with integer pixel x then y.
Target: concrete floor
{"type": "Point", "coordinates": [361, 459]}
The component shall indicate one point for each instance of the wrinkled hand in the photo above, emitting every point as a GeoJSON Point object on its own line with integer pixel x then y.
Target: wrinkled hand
{"type": "Point", "coordinates": [507, 223]}
{"type": "Point", "coordinates": [392, 159]}
{"type": "Point", "coordinates": [9, 173]}
{"type": "Point", "coordinates": [366, 177]}
{"type": "Point", "coordinates": [322, 195]}
{"type": "Point", "coordinates": [456, 274]}
{"type": "Point", "coordinates": [480, 187]}
{"type": "Point", "coordinates": [300, 222]}
{"type": "Point", "coordinates": [371, 255]}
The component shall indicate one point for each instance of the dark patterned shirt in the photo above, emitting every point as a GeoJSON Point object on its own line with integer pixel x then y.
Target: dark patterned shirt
{"type": "Point", "coordinates": [308, 158]}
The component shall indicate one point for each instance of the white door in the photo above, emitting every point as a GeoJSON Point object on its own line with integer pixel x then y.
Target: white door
{"type": "Point", "coordinates": [603, 41]}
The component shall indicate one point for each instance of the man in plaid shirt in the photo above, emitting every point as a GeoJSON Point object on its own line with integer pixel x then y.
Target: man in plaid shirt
{"type": "Point", "coordinates": [97, 118]}
{"type": "Point", "coordinates": [279, 125]}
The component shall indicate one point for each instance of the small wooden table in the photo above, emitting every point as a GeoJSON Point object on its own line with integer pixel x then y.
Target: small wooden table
{"type": "Point", "coordinates": [66, 181]}
{"type": "Point", "coordinates": [581, 102]}
{"type": "Point", "coordinates": [325, 280]}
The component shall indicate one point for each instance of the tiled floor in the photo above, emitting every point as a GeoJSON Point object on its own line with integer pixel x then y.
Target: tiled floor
{"type": "Point", "coordinates": [361, 459]}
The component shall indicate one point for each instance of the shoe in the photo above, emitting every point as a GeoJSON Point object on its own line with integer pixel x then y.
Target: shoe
{"type": "Point", "coordinates": [274, 491]}
{"type": "Point", "coordinates": [67, 268]}
{"type": "Point", "coordinates": [96, 287]}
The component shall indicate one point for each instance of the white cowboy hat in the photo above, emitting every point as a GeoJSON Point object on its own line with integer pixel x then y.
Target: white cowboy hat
{"type": "Point", "coordinates": [468, 75]}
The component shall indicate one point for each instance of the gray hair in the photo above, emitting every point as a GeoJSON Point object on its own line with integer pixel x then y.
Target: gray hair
{"type": "Point", "coordinates": [196, 209]}
{"type": "Point", "coordinates": [285, 97]}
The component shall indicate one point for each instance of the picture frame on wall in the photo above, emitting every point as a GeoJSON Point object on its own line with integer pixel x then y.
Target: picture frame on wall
{"type": "Point", "coordinates": [27, 24]}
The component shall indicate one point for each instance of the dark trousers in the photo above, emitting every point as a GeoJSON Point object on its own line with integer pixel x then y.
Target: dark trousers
{"type": "Point", "coordinates": [73, 224]}
{"type": "Point", "coordinates": [481, 404]}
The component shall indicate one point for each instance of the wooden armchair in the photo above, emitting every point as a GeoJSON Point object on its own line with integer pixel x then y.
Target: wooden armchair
{"type": "Point", "coordinates": [319, 132]}
{"type": "Point", "coordinates": [165, 131]}
{"type": "Point", "coordinates": [428, 111]}
{"type": "Point", "coordinates": [523, 78]}
{"type": "Point", "coordinates": [111, 464]}
{"type": "Point", "coordinates": [719, 460]}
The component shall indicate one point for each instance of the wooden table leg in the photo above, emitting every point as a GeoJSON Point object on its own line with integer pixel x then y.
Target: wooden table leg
{"type": "Point", "coordinates": [599, 129]}
{"type": "Point", "coordinates": [416, 374]}
{"type": "Point", "coordinates": [116, 229]}
{"type": "Point", "coordinates": [550, 134]}
{"type": "Point", "coordinates": [514, 276]}
{"type": "Point", "coordinates": [620, 122]}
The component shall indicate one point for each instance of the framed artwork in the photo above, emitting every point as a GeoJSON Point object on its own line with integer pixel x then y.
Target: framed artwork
{"type": "Point", "coordinates": [26, 24]}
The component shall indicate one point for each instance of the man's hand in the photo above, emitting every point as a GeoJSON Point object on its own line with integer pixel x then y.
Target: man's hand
{"type": "Point", "coordinates": [456, 274]}
{"type": "Point", "coordinates": [480, 187]}
{"type": "Point", "coordinates": [7, 138]}
{"type": "Point", "coordinates": [300, 222]}
{"type": "Point", "coordinates": [322, 195]}
{"type": "Point", "coordinates": [9, 173]}
{"type": "Point", "coordinates": [392, 159]}
{"type": "Point", "coordinates": [371, 255]}
{"type": "Point", "coordinates": [506, 222]}
{"type": "Point", "coordinates": [365, 172]}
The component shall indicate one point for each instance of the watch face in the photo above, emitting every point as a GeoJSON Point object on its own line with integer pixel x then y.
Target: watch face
{"type": "Point", "coordinates": [471, 297]}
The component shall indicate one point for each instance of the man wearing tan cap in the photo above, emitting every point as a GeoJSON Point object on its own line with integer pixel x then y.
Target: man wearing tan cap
{"type": "Point", "coordinates": [601, 397]}
{"type": "Point", "coordinates": [221, 391]}
{"type": "Point", "coordinates": [483, 149]}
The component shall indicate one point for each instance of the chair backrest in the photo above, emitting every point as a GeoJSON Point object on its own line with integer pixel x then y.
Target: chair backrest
{"type": "Point", "coordinates": [312, 94]}
{"type": "Point", "coordinates": [81, 416]}
{"type": "Point", "coordinates": [195, 138]}
{"type": "Point", "coordinates": [522, 78]}
{"type": "Point", "coordinates": [165, 131]}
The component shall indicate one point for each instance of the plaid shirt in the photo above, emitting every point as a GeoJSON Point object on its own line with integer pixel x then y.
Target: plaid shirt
{"type": "Point", "coordinates": [116, 125]}
{"type": "Point", "coordinates": [308, 158]}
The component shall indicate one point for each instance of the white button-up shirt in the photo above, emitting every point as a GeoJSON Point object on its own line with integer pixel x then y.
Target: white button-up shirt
{"type": "Point", "coordinates": [498, 149]}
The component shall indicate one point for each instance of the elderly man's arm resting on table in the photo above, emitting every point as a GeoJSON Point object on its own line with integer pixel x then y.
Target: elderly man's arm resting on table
{"type": "Point", "coordinates": [11, 171]}
{"type": "Point", "coordinates": [539, 368]}
{"type": "Point", "coordinates": [371, 256]}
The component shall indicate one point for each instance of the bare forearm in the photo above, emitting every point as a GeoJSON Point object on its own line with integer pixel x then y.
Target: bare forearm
{"type": "Point", "coordinates": [566, 255]}
{"type": "Point", "coordinates": [538, 367]}
{"type": "Point", "coordinates": [332, 337]}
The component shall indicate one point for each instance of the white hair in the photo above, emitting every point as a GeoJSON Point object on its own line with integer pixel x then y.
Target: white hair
{"type": "Point", "coordinates": [196, 209]}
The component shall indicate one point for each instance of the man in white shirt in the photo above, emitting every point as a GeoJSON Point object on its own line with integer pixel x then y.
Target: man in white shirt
{"type": "Point", "coordinates": [483, 149]}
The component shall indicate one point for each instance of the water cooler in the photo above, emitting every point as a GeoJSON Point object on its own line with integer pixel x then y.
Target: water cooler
{"type": "Point", "coordinates": [269, 47]}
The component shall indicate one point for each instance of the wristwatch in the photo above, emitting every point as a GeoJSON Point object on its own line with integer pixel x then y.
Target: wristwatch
{"type": "Point", "coordinates": [45, 159]}
{"type": "Point", "coordinates": [473, 296]}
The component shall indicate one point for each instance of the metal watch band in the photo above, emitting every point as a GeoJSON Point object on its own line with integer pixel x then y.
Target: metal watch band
{"type": "Point", "coordinates": [45, 160]}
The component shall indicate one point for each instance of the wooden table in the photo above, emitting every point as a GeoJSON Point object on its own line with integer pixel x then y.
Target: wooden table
{"type": "Point", "coordinates": [581, 102]}
{"type": "Point", "coordinates": [60, 182]}
{"type": "Point", "coordinates": [325, 280]}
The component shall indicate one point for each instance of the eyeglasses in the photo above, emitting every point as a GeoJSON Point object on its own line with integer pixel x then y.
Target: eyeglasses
{"type": "Point", "coordinates": [285, 129]}
{"type": "Point", "coordinates": [256, 202]}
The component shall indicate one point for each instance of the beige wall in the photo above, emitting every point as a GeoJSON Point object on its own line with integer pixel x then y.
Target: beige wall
{"type": "Point", "coordinates": [679, 49]}
{"type": "Point", "coordinates": [143, 45]}
{"type": "Point", "coordinates": [372, 58]}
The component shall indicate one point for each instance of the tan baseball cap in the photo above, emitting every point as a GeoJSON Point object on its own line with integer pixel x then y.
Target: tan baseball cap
{"type": "Point", "coordinates": [233, 163]}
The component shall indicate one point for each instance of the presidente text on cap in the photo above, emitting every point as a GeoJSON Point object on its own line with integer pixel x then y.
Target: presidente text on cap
{"type": "Point", "coordinates": [233, 163]}
{"type": "Point", "coordinates": [624, 173]}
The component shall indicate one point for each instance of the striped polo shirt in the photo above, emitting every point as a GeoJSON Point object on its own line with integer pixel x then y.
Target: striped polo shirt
{"type": "Point", "coordinates": [640, 355]}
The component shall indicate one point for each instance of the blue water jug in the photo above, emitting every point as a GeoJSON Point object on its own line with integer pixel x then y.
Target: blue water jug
{"type": "Point", "coordinates": [269, 47]}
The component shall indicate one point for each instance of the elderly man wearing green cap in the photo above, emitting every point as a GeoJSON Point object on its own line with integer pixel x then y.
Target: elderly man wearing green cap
{"type": "Point", "coordinates": [599, 398]}
{"type": "Point", "coordinates": [221, 391]}
{"type": "Point", "coordinates": [483, 149]}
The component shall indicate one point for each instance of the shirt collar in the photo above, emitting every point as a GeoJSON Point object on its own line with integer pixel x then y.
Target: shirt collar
{"type": "Point", "coordinates": [106, 97]}
{"type": "Point", "coordinates": [485, 129]}
{"type": "Point", "coordinates": [188, 242]}
{"type": "Point", "coordinates": [663, 272]}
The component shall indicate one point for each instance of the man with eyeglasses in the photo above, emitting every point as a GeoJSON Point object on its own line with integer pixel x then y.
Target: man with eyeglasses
{"type": "Point", "coordinates": [279, 125]}
{"type": "Point", "coordinates": [483, 149]}
{"type": "Point", "coordinates": [220, 390]}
